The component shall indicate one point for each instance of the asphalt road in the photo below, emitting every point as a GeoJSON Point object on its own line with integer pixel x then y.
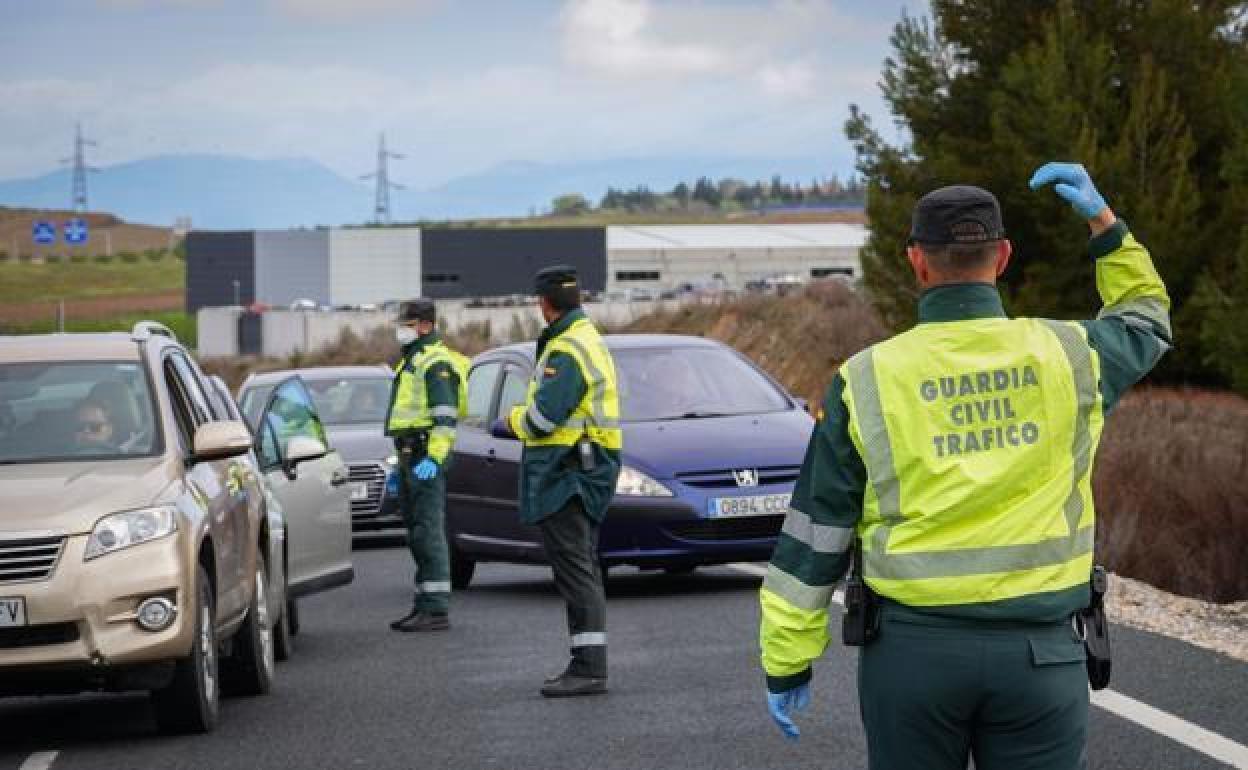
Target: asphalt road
{"type": "Point", "coordinates": [686, 691]}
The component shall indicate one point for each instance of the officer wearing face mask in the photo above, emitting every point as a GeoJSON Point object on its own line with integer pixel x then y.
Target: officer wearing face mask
{"type": "Point", "coordinates": [424, 407]}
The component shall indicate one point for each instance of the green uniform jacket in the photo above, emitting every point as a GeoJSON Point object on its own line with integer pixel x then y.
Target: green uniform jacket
{"type": "Point", "coordinates": [442, 388]}
{"type": "Point", "coordinates": [831, 488]}
{"type": "Point", "coordinates": [552, 474]}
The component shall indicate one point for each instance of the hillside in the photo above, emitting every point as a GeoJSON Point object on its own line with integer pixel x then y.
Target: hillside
{"type": "Point", "coordinates": [104, 228]}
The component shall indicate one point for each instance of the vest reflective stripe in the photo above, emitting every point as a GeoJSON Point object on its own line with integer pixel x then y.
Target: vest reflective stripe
{"type": "Point", "coordinates": [598, 414]}
{"type": "Point", "coordinates": [878, 456]}
{"type": "Point", "coordinates": [588, 639]}
{"type": "Point", "coordinates": [923, 526]}
{"type": "Point", "coordinates": [411, 405]}
{"type": "Point", "coordinates": [820, 538]}
{"type": "Point", "coordinates": [795, 592]}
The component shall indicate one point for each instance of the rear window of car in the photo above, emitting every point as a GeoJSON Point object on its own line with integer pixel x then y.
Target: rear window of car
{"type": "Point", "coordinates": [689, 382]}
{"type": "Point", "coordinates": [345, 401]}
{"type": "Point", "coordinates": [74, 411]}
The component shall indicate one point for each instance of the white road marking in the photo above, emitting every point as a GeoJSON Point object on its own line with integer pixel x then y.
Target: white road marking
{"type": "Point", "coordinates": [40, 760]}
{"type": "Point", "coordinates": [1193, 736]}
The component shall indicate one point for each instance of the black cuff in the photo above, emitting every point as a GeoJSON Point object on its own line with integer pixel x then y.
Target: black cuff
{"type": "Point", "coordinates": [779, 684]}
{"type": "Point", "coordinates": [1109, 241]}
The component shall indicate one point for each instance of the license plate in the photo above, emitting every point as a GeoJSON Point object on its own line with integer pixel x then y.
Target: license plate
{"type": "Point", "coordinates": [757, 505]}
{"type": "Point", "coordinates": [12, 612]}
{"type": "Point", "coordinates": [359, 490]}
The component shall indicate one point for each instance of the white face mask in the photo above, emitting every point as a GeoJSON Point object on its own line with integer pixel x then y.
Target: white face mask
{"type": "Point", "coordinates": [405, 335]}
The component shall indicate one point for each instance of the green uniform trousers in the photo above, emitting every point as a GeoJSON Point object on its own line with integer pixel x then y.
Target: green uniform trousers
{"type": "Point", "coordinates": [935, 692]}
{"type": "Point", "coordinates": [423, 507]}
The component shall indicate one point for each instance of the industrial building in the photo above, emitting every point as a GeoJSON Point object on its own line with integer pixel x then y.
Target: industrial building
{"type": "Point", "coordinates": [356, 266]}
{"type": "Point", "coordinates": [670, 256]}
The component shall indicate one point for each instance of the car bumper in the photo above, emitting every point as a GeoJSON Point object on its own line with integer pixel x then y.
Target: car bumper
{"type": "Point", "coordinates": [81, 624]}
{"type": "Point", "coordinates": [678, 532]}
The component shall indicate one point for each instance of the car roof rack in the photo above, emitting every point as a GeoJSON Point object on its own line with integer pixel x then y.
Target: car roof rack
{"type": "Point", "coordinates": [145, 329]}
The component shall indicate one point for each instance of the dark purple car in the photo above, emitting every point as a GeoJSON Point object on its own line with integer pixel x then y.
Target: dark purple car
{"type": "Point", "coordinates": [712, 446]}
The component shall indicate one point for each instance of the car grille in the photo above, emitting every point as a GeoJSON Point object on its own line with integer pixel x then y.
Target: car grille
{"type": "Point", "coordinates": [37, 636]}
{"type": "Point", "coordinates": [743, 528]}
{"type": "Point", "coordinates": [375, 476]}
{"type": "Point", "coordinates": [727, 478]}
{"type": "Point", "coordinates": [28, 559]}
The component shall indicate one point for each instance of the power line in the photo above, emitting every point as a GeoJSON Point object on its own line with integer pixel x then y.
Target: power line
{"type": "Point", "coordinates": [381, 197]}
{"type": "Point", "coordinates": [78, 192]}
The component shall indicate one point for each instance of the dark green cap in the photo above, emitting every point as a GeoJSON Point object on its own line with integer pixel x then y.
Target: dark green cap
{"type": "Point", "coordinates": [421, 309]}
{"type": "Point", "coordinates": [554, 279]}
{"type": "Point", "coordinates": [957, 214]}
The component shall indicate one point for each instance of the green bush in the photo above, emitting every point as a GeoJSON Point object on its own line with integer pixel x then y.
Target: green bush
{"type": "Point", "coordinates": [102, 259]}
{"type": "Point", "coordinates": [128, 256]}
{"type": "Point", "coordinates": [79, 259]}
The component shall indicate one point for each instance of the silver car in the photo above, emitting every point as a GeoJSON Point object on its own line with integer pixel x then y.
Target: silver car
{"type": "Point", "coordinates": [352, 402]}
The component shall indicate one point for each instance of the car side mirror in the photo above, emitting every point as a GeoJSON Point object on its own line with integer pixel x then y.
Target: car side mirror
{"type": "Point", "coordinates": [301, 449]}
{"type": "Point", "coordinates": [221, 439]}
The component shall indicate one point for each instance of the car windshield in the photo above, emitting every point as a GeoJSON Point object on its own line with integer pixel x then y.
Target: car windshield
{"type": "Point", "coordinates": [675, 383]}
{"type": "Point", "coordinates": [69, 411]}
{"type": "Point", "coordinates": [344, 401]}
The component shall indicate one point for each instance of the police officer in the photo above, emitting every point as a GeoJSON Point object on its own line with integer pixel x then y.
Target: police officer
{"type": "Point", "coordinates": [959, 456]}
{"type": "Point", "coordinates": [570, 426]}
{"type": "Point", "coordinates": [424, 405]}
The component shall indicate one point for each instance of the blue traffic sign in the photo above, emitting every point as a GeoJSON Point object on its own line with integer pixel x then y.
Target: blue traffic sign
{"type": "Point", "coordinates": [76, 231]}
{"type": "Point", "coordinates": [43, 232]}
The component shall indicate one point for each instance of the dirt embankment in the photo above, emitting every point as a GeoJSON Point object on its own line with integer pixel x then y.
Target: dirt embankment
{"type": "Point", "coordinates": [105, 231]}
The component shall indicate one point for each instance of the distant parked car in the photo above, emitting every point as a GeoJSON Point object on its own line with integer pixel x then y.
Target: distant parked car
{"type": "Point", "coordinates": [352, 402]}
{"type": "Point", "coordinates": [712, 448]}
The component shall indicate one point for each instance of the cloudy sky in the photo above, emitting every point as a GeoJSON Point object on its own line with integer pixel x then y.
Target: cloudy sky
{"type": "Point", "coordinates": [458, 85]}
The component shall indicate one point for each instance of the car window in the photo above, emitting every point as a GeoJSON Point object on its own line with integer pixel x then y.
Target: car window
{"type": "Point", "coordinates": [674, 383]}
{"type": "Point", "coordinates": [218, 400]}
{"type": "Point", "coordinates": [183, 412]}
{"type": "Point", "coordinates": [481, 382]}
{"type": "Point", "coordinates": [291, 412]}
{"type": "Point", "coordinates": [351, 400]}
{"type": "Point", "coordinates": [267, 451]}
{"type": "Point", "coordinates": [96, 410]}
{"type": "Point", "coordinates": [192, 389]}
{"type": "Point", "coordinates": [515, 390]}
{"type": "Point", "coordinates": [253, 401]}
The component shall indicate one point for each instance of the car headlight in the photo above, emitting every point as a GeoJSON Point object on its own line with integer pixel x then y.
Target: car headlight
{"type": "Point", "coordinates": [122, 530]}
{"type": "Point", "coordinates": [392, 460]}
{"type": "Point", "coordinates": [634, 482]}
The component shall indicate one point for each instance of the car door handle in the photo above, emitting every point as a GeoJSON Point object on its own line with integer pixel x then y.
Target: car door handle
{"type": "Point", "coordinates": [489, 457]}
{"type": "Point", "coordinates": [338, 478]}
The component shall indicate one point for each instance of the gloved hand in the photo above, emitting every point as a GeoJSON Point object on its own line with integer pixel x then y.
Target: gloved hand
{"type": "Point", "coordinates": [780, 705]}
{"type": "Point", "coordinates": [1073, 184]}
{"type": "Point", "coordinates": [425, 469]}
{"type": "Point", "coordinates": [392, 483]}
{"type": "Point", "coordinates": [501, 428]}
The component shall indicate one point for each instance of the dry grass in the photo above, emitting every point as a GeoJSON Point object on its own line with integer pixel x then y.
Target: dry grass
{"type": "Point", "coordinates": [1171, 486]}
{"type": "Point", "coordinates": [801, 339]}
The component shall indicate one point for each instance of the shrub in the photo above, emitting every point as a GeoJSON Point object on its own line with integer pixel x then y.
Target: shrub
{"type": "Point", "coordinates": [128, 256]}
{"type": "Point", "coordinates": [78, 259]}
{"type": "Point", "coordinates": [1171, 492]}
{"type": "Point", "coordinates": [103, 259]}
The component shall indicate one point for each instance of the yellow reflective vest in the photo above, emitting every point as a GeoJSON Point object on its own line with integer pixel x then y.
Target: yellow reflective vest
{"type": "Point", "coordinates": [412, 408]}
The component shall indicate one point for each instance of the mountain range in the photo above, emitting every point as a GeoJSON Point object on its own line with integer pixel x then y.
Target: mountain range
{"type": "Point", "coordinates": [222, 192]}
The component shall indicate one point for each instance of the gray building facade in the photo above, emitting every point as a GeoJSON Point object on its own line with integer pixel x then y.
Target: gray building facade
{"type": "Point", "coordinates": [495, 262]}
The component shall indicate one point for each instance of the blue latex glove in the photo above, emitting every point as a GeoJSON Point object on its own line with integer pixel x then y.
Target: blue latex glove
{"type": "Point", "coordinates": [791, 701]}
{"type": "Point", "coordinates": [501, 428]}
{"type": "Point", "coordinates": [425, 469]}
{"type": "Point", "coordinates": [1073, 184]}
{"type": "Point", "coordinates": [392, 484]}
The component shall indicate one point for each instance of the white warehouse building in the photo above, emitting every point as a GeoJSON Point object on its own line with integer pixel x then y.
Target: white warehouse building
{"type": "Point", "coordinates": [666, 256]}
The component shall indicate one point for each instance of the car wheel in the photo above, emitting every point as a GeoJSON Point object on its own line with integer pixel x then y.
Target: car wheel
{"type": "Point", "coordinates": [249, 669]}
{"type": "Point", "coordinates": [283, 637]}
{"type": "Point", "coordinates": [462, 569]}
{"type": "Point", "coordinates": [190, 703]}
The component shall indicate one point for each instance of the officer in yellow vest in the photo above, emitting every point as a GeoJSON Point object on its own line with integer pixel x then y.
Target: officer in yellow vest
{"type": "Point", "coordinates": [959, 456]}
{"type": "Point", "coordinates": [570, 426]}
{"type": "Point", "coordinates": [424, 406]}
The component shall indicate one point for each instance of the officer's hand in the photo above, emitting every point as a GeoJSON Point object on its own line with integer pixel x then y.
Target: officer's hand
{"type": "Point", "coordinates": [501, 428]}
{"type": "Point", "coordinates": [425, 469]}
{"type": "Point", "coordinates": [1073, 184]}
{"type": "Point", "coordinates": [782, 704]}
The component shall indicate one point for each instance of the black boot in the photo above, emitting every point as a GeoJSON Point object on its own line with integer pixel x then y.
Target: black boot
{"type": "Point", "coordinates": [567, 685]}
{"type": "Point", "coordinates": [395, 625]}
{"type": "Point", "coordinates": [423, 621]}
